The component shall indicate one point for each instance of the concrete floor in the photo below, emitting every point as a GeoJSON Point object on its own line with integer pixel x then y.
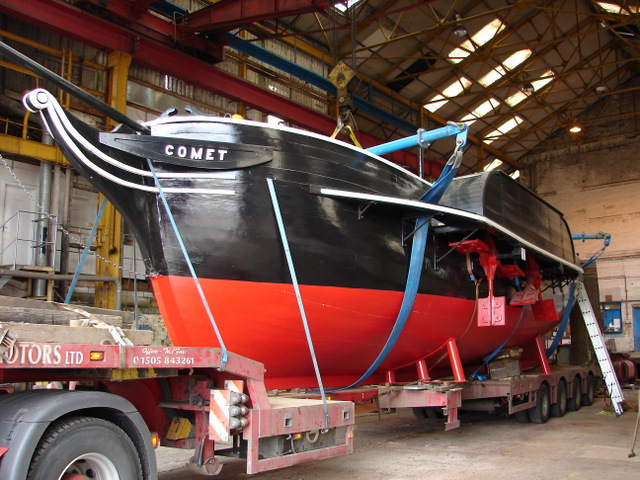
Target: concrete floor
{"type": "Point", "coordinates": [591, 444]}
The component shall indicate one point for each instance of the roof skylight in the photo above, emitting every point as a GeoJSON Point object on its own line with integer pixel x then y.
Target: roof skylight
{"type": "Point", "coordinates": [618, 9]}
{"type": "Point", "coordinates": [493, 76]}
{"type": "Point", "coordinates": [517, 58]}
{"type": "Point", "coordinates": [485, 34]}
{"type": "Point", "coordinates": [504, 128]}
{"type": "Point", "coordinates": [546, 77]}
{"type": "Point", "coordinates": [516, 98]}
{"type": "Point", "coordinates": [482, 110]}
{"type": "Point", "coordinates": [453, 90]}
{"type": "Point", "coordinates": [519, 96]}
{"type": "Point", "coordinates": [492, 166]}
{"type": "Point", "coordinates": [344, 6]}
{"type": "Point", "coordinates": [509, 64]}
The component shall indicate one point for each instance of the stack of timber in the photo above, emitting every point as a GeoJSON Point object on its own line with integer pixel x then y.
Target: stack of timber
{"type": "Point", "coordinates": [50, 322]}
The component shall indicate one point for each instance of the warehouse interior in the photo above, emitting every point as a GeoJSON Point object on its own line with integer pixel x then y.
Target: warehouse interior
{"type": "Point", "coordinates": [549, 91]}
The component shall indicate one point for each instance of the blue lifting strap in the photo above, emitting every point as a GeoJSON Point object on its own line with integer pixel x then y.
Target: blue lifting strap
{"type": "Point", "coordinates": [296, 288]}
{"type": "Point", "coordinates": [410, 293]}
{"type": "Point", "coordinates": [415, 265]}
{"type": "Point", "coordinates": [190, 265]}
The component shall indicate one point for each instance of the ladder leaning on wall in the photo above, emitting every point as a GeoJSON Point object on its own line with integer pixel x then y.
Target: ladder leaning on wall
{"type": "Point", "coordinates": [599, 347]}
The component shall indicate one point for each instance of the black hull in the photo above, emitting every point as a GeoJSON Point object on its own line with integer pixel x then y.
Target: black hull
{"type": "Point", "coordinates": [231, 234]}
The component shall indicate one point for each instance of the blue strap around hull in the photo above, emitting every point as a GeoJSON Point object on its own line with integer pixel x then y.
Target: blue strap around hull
{"type": "Point", "coordinates": [410, 293]}
{"type": "Point", "coordinates": [416, 262]}
{"type": "Point", "coordinates": [187, 258]}
{"type": "Point", "coordinates": [296, 287]}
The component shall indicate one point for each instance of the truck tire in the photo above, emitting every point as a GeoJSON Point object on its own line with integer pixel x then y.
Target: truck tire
{"type": "Point", "coordinates": [575, 402]}
{"type": "Point", "coordinates": [85, 446]}
{"type": "Point", "coordinates": [559, 408]}
{"type": "Point", "coordinates": [540, 412]}
{"type": "Point", "coordinates": [522, 416]}
{"type": "Point", "coordinates": [587, 396]}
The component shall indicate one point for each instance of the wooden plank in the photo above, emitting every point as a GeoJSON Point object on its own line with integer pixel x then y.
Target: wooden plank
{"type": "Point", "coordinates": [127, 317]}
{"type": "Point", "coordinates": [51, 317]}
{"type": "Point", "coordinates": [27, 332]}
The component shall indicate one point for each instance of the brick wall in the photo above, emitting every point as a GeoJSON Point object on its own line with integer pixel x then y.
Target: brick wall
{"type": "Point", "coordinates": [594, 179]}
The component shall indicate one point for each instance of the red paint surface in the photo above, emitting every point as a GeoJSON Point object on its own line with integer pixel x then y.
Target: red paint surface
{"type": "Point", "coordinates": [348, 328]}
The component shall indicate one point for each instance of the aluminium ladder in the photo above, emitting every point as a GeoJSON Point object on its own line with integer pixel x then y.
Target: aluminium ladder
{"type": "Point", "coordinates": [602, 354]}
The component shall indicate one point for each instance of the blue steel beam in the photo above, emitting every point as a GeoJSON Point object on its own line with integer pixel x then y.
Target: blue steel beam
{"type": "Point", "coordinates": [252, 50]}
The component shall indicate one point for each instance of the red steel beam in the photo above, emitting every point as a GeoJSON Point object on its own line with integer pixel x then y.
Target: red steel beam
{"type": "Point", "coordinates": [229, 14]}
{"type": "Point", "coordinates": [135, 15]}
{"type": "Point", "coordinates": [79, 25]}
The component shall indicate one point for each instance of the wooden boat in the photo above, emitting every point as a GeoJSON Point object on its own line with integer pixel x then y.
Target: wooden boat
{"type": "Point", "coordinates": [203, 195]}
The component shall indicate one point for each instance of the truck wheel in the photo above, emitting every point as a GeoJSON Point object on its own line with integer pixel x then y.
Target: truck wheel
{"type": "Point", "coordinates": [575, 402]}
{"type": "Point", "coordinates": [85, 447]}
{"type": "Point", "coordinates": [587, 397]}
{"type": "Point", "coordinates": [522, 416]}
{"type": "Point", "coordinates": [559, 408]}
{"type": "Point", "coordinates": [540, 413]}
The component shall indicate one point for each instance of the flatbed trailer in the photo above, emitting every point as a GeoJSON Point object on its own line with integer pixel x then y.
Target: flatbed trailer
{"type": "Point", "coordinates": [530, 397]}
{"type": "Point", "coordinates": [112, 404]}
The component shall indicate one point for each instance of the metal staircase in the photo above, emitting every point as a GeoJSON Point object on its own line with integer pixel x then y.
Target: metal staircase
{"type": "Point", "coordinates": [602, 354]}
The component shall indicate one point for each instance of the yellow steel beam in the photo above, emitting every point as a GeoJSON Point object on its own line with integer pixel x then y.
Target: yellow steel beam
{"type": "Point", "coordinates": [29, 148]}
{"type": "Point", "coordinates": [109, 236]}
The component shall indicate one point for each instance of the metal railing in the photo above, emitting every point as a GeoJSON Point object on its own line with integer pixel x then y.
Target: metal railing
{"type": "Point", "coordinates": [21, 238]}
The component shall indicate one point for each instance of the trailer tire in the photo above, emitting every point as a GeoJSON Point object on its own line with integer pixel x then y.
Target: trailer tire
{"type": "Point", "coordinates": [575, 402]}
{"type": "Point", "coordinates": [587, 397]}
{"type": "Point", "coordinates": [559, 408]}
{"type": "Point", "coordinates": [87, 446]}
{"type": "Point", "coordinates": [540, 412]}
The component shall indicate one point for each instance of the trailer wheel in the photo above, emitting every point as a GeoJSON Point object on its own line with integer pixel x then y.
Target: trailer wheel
{"type": "Point", "coordinates": [559, 408]}
{"type": "Point", "coordinates": [575, 402]}
{"type": "Point", "coordinates": [85, 447]}
{"type": "Point", "coordinates": [587, 397]}
{"type": "Point", "coordinates": [540, 412]}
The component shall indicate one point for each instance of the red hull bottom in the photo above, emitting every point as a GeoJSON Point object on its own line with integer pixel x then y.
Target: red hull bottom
{"type": "Point", "coordinates": [348, 328]}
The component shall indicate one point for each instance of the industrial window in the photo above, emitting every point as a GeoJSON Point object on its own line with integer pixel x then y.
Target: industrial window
{"type": "Point", "coordinates": [612, 316]}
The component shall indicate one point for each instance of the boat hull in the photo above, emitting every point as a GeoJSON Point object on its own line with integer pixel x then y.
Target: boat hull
{"type": "Point", "coordinates": [348, 328]}
{"type": "Point", "coordinates": [196, 195]}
